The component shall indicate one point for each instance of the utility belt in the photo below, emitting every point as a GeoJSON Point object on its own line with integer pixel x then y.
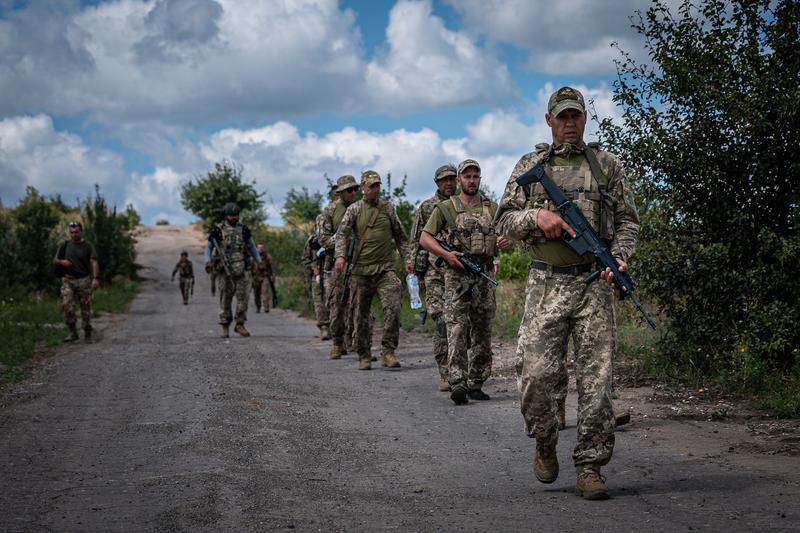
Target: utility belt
{"type": "Point", "coordinates": [75, 278]}
{"type": "Point", "coordinates": [575, 270]}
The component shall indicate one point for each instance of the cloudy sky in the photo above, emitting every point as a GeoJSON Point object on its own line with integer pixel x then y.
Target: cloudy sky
{"type": "Point", "coordinates": [139, 96]}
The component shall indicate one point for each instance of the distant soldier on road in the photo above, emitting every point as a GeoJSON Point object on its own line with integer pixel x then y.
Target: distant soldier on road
{"type": "Point", "coordinates": [316, 281]}
{"type": "Point", "coordinates": [235, 253]}
{"type": "Point", "coordinates": [379, 232]}
{"type": "Point", "coordinates": [186, 278]}
{"type": "Point", "coordinates": [469, 300]}
{"type": "Point", "coordinates": [426, 269]}
{"type": "Point", "coordinates": [76, 260]}
{"type": "Point", "coordinates": [263, 281]}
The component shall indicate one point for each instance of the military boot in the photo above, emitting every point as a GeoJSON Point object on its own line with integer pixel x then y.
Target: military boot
{"type": "Point", "coordinates": [324, 333]}
{"type": "Point", "coordinates": [561, 413]}
{"type": "Point", "coordinates": [225, 331]}
{"type": "Point", "coordinates": [390, 361]}
{"type": "Point", "coordinates": [459, 395]}
{"type": "Point", "coordinates": [87, 334]}
{"type": "Point", "coordinates": [620, 419]}
{"type": "Point", "coordinates": [590, 485]}
{"type": "Point", "coordinates": [337, 351]}
{"type": "Point", "coordinates": [545, 465]}
{"type": "Point", "coordinates": [364, 362]}
{"type": "Point", "coordinates": [444, 385]}
{"type": "Point", "coordinates": [241, 330]}
{"type": "Point", "coordinates": [73, 334]}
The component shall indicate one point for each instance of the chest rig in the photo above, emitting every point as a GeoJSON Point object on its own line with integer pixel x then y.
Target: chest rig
{"type": "Point", "coordinates": [585, 184]}
{"type": "Point", "coordinates": [233, 248]}
{"type": "Point", "coordinates": [185, 269]}
{"type": "Point", "coordinates": [474, 232]}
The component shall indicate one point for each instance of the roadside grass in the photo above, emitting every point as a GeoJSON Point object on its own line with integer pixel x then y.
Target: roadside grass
{"type": "Point", "coordinates": [32, 320]}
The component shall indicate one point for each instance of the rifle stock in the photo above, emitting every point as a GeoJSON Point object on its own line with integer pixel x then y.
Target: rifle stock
{"type": "Point", "coordinates": [586, 239]}
{"type": "Point", "coordinates": [351, 250]}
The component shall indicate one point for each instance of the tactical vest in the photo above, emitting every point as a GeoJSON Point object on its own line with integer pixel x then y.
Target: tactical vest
{"type": "Point", "coordinates": [185, 269]}
{"type": "Point", "coordinates": [586, 185]}
{"type": "Point", "coordinates": [474, 232]}
{"type": "Point", "coordinates": [233, 247]}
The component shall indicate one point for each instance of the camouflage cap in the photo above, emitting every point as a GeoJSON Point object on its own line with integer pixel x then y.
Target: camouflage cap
{"type": "Point", "coordinates": [345, 182]}
{"type": "Point", "coordinates": [444, 171]}
{"type": "Point", "coordinates": [334, 186]}
{"type": "Point", "coordinates": [466, 164]}
{"type": "Point", "coordinates": [231, 209]}
{"type": "Point", "coordinates": [565, 98]}
{"type": "Point", "coordinates": [368, 177]}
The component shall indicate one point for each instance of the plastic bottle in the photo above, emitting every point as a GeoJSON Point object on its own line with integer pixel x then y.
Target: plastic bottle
{"type": "Point", "coordinates": [413, 291]}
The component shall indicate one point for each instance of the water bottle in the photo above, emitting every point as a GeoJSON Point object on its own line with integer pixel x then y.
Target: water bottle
{"type": "Point", "coordinates": [413, 291]}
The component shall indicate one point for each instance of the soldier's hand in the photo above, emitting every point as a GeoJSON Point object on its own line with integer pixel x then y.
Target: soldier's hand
{"type": "Point", "coordinates": [95, 284]}
{"type": "Point", "coordinates": [208, 268]}
{"type": "Point", "coordinates": [552, 224]}
{"type": "Point", "coordinates": [315, 270]}
{"type": "Point", "coordinates": [452, 259]}
{"type": "Point", "coordinates": [609, 276]}
{"type": "Point", "coordinates": [338, 266]}
{"type": "Point", "coordinates": [503, 242]}
{"type": "Point", "coordinates": [409, 268]}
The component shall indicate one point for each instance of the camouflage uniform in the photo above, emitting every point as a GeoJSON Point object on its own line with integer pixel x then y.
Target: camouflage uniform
{"type": "Point", "coordinates": [309, 257]}
{"type": "Point", "coordinates": [238, 250]}
{"type": "Point", "coordinates": [559, 304]}
{"type": "Point", "coordinates": [77, 291]}
{"type": "Point", "coordinates": [425, 268]}
{"type": "Point", "coordinates": [373, 271]}
{"type": "Point", "coordinates": [468, 314]}
{"type": "Point", "coordinates": [185, 279]}
{"type": "Point", "coordinates": [262, 270]}
{"type": "Point", "coordinates": [341, 317]}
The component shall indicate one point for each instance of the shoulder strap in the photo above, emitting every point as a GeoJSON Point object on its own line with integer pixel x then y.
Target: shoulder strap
{"type": "Point", "coordinates": [451, 223]}
{"type": "Point", "coordinates": [487, 207]}
{"type": "Point", "coordinates": [594, 164]}
{"type": "Point", "coordinates": [459, 207]}
{"type": "Point", "coordinates": [373, 217]}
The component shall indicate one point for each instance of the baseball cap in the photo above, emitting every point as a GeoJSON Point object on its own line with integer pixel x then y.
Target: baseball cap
{"type": "Point", "coordinates": [369, 177]}
{"type": "Point", "coordinates": [467, 163]}
{"type": "Point", "coordinates": [565, 98]}
{"type": "Point", "coordinates": [345, 182]}
{"type": "Point", "coordinates": [444, 171]}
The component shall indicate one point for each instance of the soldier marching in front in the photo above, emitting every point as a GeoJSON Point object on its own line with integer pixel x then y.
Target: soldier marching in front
{"type": "Point", "coordinates": [558, 303]}
{"type": "Point", "coordinates": [378, 231]}
{"type": "Point", "coordinates": [235, 253]}
{"type": "Point", "coordinates": [466, 220]}
{"type": "Point", "coordinates": [432, 275]}
{"type": "Point", "coordinates": [186, 276]}
{"type": "Point", "coordinates": [76, 259]}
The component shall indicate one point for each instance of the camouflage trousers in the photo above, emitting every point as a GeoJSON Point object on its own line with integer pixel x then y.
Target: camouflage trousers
{"type": "Point", "coordinates": [229, 287]}
{"type": "Point", "coordinates": [262, 293]}
{"type": "Point", "coordinates": [213, 275]}
{"type": "Point", "coordinates": [389, 291]}
{"type": "Point", "coordinates": [557, 306]}
{"type": "Point", "coordinates": [319, 297]}
{"type": "Point", "coordinates": [77, 292]}
{"type": "Point", "coordinates": [434, 303]}
{"type": "Point", "coordinates": [469, 330]}
{"type": "Point", "coordinates": [340, 316]}
{"type": "Point", "coordinates": [186, 287]}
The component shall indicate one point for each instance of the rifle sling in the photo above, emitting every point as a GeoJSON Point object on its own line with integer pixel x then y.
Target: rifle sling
{"type": "Point", "coordinates": [370, 223]}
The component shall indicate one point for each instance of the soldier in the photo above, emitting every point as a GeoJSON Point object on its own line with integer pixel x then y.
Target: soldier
{"type": "Point", "coordinates": [378, 231]}
{"type": "Point", "coordinates": [469, 300]}
{"type": "Point", "coordinates": [186, 278]}
{"type": "Point", "coordinates": [330, 219]}
{"type": "Point", "coordinates": [426, 269]}
{"type": "Point", "coordinates": [263, 281]}
{"type": "Point", "coordinates": [311, 262]}
{"type": "Point", "coordinates": [236, 251]}
{"type": "Point", "coordinates": [76, 262]}
{"type": "Point", "coordinates": [558, 302]}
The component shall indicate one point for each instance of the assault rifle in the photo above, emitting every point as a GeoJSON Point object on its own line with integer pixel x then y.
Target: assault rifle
{"type": "Point", "coordinates": [466, 261]}
{"type": "Point", "coordinates": [586, 239]}
{"type": "Point", "coordinates": [349, 259]}
{"type": "Point", "coordinates": [221, 256]}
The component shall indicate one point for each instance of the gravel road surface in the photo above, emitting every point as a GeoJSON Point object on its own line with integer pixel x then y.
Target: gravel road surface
{"type": "Point", "coordinates": [160, 425]}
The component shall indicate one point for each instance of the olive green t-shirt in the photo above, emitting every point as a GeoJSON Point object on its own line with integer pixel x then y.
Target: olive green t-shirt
{"type": "Point", "coordinates": [377, 250]}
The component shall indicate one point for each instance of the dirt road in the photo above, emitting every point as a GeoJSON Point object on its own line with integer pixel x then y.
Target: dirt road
{"type": "Point", "coordinates": [161, 425]}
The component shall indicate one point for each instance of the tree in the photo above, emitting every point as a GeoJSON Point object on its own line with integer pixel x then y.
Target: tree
{"type": "Point", "coordinates": [710, 125]}
{"type": "Point", "coordinates": [107, 232]}
{"type": "Point", "coordinates": [35, 220]}
{"type": "Point", "coordinates": [405, 209]}
{"type": "Point", "coordinates": [206, 196]}
{"type": "Point", "coordinates": [301, 206]}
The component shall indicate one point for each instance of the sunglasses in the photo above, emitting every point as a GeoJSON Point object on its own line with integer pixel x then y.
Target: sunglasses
{"type": "Point", "coordinates": [350, 189]}
{"type": "Point", "coordinates": [373, 185]}
{"type": "Point", "coordinates": [75, 225]}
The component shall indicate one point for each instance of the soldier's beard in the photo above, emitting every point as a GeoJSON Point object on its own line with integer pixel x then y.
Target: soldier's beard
{"type": "Point", "coordinates": [471, 192]}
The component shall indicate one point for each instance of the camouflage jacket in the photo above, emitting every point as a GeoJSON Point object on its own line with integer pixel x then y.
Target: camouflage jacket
{"type": "Point", "coordinates": [375, 255]}
{"type": "Point", "coordinates": [420, 257]}
{"type": "Point", "coordinates": [516, 217]}
{"type": "Point", "coordinates": [185, 269]}
{"type": "Point", "coordinates": [263, 268]}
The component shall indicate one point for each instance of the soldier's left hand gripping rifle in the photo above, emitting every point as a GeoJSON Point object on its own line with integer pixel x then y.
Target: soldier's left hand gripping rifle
{"type": "Point", "coordinates": [348, 270]}
{"type": "Point", "coordinates": [586, 239]}
{"type": "Point", "coordinates": [471, 267]}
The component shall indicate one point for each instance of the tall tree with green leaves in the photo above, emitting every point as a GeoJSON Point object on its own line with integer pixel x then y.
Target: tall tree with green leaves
{"type": "Point", "coordinates": [108, 233]}
{"type": "Point", "coordinates": [34, 240]}
{"type": "Point", "coordinates": [709, 131]}
{"type": "Point", "coordinates": [206, 196]}
{"type": "Point", "coordinates": [302, 206]}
